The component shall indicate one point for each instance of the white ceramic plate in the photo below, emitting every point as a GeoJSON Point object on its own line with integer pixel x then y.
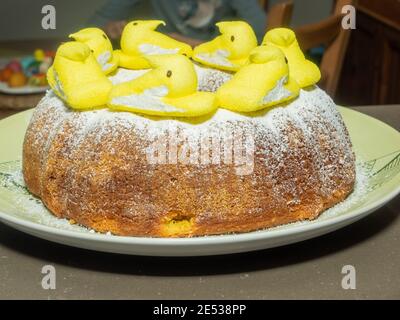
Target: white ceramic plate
{"type": "Point", "coordinates": [4, 88]}
{"type": "Point", "coordinates": [377, 147]}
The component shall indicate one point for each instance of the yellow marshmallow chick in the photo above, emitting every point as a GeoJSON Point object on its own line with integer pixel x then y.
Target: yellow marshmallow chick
{"type": "Point", "coordinates": [100, 45]}
{"type": "Point", "coordinates": [302, 70]}
{"type": "Point", "coordinates": [51, 79]}
{"type": "Point", "coordinates": [230, 50]}
{"type": "Point", "coordinates": [140, 39]}
{"type": "Point", "coordinates": [262, 83]}
{"type": "Point", "coordinates": [77, 77]}
{"type": "Point", "coordinates": [169, 89]}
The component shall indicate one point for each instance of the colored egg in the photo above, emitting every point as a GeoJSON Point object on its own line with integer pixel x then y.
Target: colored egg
{"type": "Point", "coordinates": [37, 80]}
{"type": "Point", "coordinates": [45, 64]}
{"type": "Point", "coordinates": [17, 79]}
{"type": "Point", "coordinates": [6, 74]}
{"type": "Point", "coordinates": [15, 66]}
{"type": "Point", "coordinates": [50, 53]}
{"type": "Point", "coordinates": [27, 61]}
{"type": "Point", "coordinates": [39, 55]}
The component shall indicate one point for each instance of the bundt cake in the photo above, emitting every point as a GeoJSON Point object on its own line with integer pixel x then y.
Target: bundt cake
{"type": "Point", "coordinates": [145, 174]}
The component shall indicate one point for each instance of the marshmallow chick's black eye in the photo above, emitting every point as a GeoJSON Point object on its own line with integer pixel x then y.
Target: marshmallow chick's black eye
{"type": "Point", "coordinates": [286, 60]}
{"type": "Point", "coordinates": [134, 23]}
{"type": "Point", "coordinates": [104, 36]}
{"type": "Point", "coordinates": [232, 38]}
{"type": "Point", "coordinates": [169, 73]}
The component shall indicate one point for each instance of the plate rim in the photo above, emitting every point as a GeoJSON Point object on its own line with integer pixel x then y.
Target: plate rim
{"type": "Point", "coordinates": [215, 239]}
{"type": "Point", "coordinates": [237, 238]}
{"type": "Point", "coordinates": [5, 89]}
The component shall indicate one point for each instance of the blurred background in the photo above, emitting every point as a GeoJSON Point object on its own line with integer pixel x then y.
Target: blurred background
{"type": "Point", "coordinates": [359, 66]}
{"type": "Point", "coordinates": [74, 14]}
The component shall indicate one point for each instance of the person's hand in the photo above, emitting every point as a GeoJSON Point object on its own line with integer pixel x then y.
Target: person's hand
{"type": "Point", "coordinates": [114, 28]}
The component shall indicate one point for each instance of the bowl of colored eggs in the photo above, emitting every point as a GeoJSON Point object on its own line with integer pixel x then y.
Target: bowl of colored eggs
{"type": "Point", "coordinates": [27, 74]}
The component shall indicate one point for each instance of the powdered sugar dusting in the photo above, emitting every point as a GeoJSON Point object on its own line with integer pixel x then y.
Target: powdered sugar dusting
{"type": "Point", "coordinates": [278, 93]}
{"type": "Point", "coordinates": [210, 79]}
{"type": "Point", "coordinates": [125, 75]}
{"type": "Point", "coordinates": [219, 58]}
{"type": "Point", "coordinates": [313, 111]}
{"type": "Point", "coordinates": [32, 209]}
{"type": "Point", "coordinates": [361, 189]}
{"type": "Point", "coordinates": [151, 49]}
{"type": "Point", "coordinates": [150, 99]}
{"type": "Point", "coordinates": [302, 158]}
{"type": "Point", "coordinates": [313, 116]}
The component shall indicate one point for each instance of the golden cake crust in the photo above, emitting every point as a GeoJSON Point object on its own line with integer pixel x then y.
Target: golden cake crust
{"type": "Point", "coordinates": [92, 168]}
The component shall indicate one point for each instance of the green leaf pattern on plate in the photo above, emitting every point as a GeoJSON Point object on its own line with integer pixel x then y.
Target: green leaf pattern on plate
{"type": "Point", "coordinates": [9, 172]}
{"type": "Point", "coordinates": [382, 169]}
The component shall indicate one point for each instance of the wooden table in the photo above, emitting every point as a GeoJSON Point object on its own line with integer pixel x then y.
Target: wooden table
{"type": "Point", "coordinates": [6, 113]}
{"type": "Point", "coordinates": [19, 102]}
{"type": "Point", "coordinates": [306, 270]}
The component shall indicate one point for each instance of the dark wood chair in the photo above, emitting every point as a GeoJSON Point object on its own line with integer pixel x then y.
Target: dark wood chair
{"type": "Point", "coordinates": [278, 15]}
{"type": "Point", "coordinates": [329, 33]}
